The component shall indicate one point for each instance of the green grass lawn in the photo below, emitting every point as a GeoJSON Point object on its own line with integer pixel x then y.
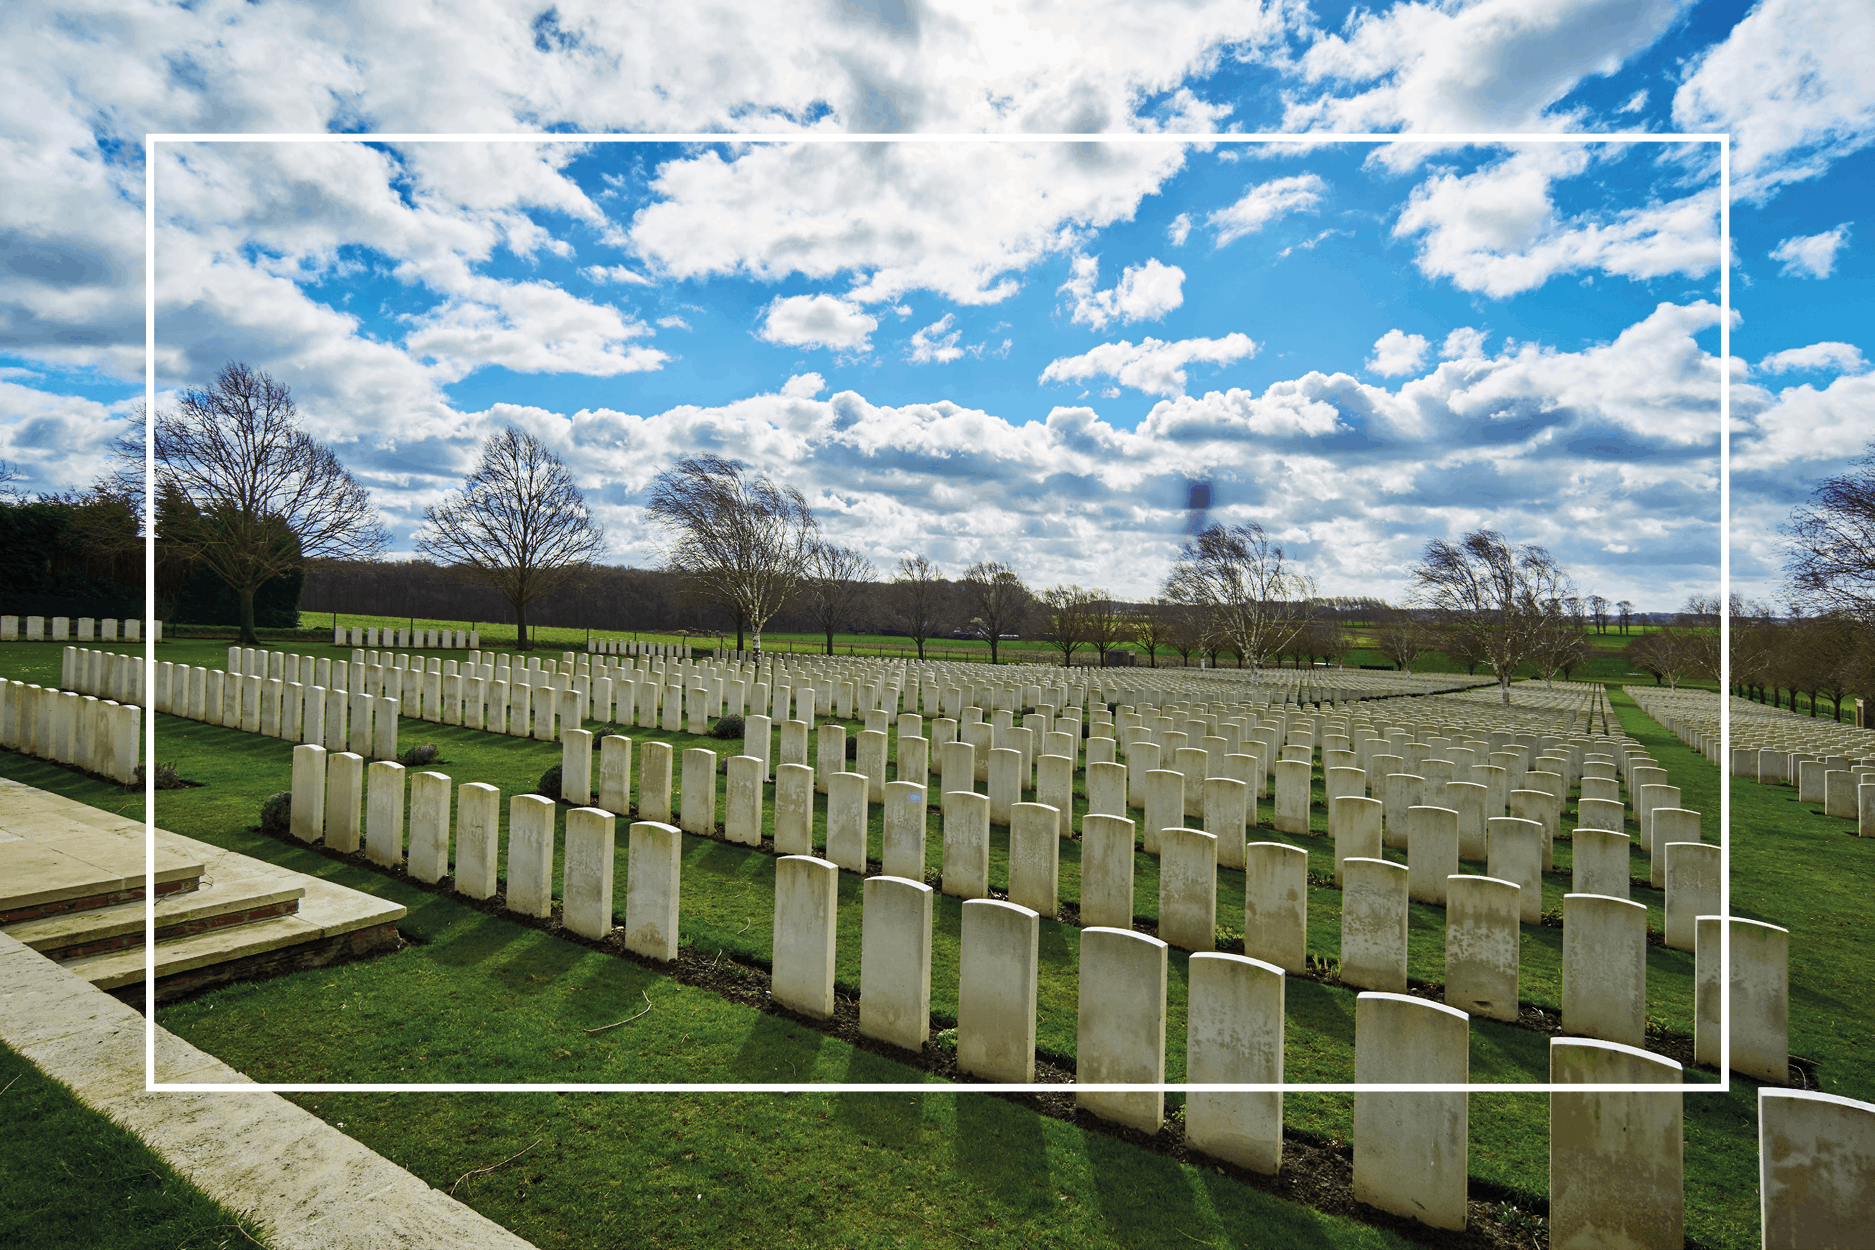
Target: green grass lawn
{"type": "Point", "coordinates": [70, 1177]}
{"type": "Point", "coordinates": [483, 999]}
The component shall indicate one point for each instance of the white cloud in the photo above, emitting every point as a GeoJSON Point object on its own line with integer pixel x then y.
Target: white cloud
{"type": "Point", "coordinates": [1287, 409]}
{"type": "Point", "coordinates": [1154, 366]}
{"type": "Point", "coordinates": [818, 321]}
{"type": "Point", "coordinates": [1812, 255]}
{"type": "Point", "coordinates": [1179, 230]}
{"type": "Point", "coordinates": [893, 218]}
{"type": "Point", "coordinates": [529, 327]}
{"type": "Point", "coordinates": [1144, 293]}
{"type": "Point", "coordinates": [1396, 352]}
{"type": "Point", "coordinates": [804, 386]}
{"type": "Point", "coordinates": [82, 94]}
{"type": "Point", "coordinates": [933, 344]}
{"type": "Point", "coordinates": [1803, 424]}
{"type": "Point", "coordinates": [1496, 230]}
{"type": "Point", "coordinates": [1492, 66]}
{"type": "Point", "coordinates": [1635, 103]}
{"type": "Point", "coordinates": [56, 442]}
{"type": "Point", "coordinates": [1264, 203]}
{"type": "Point", "coordinates": [616, 273]}
{"type": "Point", "coordinates": [1836, 357]}
{"type": "Point", "coordinates": [1791, 83]}
{"type": "Point", "coordinates": [1464, 343]}
{"type": "Point", "coordinates": [1308, 244]}
{"type": "Point", "coordinates": [673, 322]}
{"type": "Point", "coordinates": [1653, 381]}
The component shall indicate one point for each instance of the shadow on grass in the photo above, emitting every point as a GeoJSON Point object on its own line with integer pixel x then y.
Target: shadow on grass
{"type": "Point", "coordinates": [1276, 1223]}
{"type": "Point", "coordinates": [474, 941]}
{"type": "Point", "coordinates": [1001, 1148]}
{"type": "Point", "coordinates": [534, 964]}
{"type": "Point", "coordinates": [891, 1120]}
{"type": "Point", "coordinates": [1140, 1194]}
{"type": "Point", "coordinates": [777, 1050]}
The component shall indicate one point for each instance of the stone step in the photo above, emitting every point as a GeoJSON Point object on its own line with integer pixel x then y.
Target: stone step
{"type": "Point", "coordinates": [111, 969]}
{"type": "Point", "coordinates": [221, 932]}
{"type": "Point", "coordinates": [80, 869]}
{"type": "Point", "coordinates": [224, 902]}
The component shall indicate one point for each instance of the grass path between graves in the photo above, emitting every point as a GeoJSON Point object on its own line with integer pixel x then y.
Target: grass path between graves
{"type": "Point", "coordinates": [482, 999]}
{"type": "Point", "coordinates": [70, 1177]}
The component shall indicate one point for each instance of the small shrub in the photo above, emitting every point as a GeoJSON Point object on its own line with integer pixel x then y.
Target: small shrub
{"type": "Point", "coordinates": [946, 1041]}
{"type": "Point", "coordinates": [416, 757]}
{"type": "Point", "coordinates": [852, 746]}
{"type": "Point", "coordinates": [166, 778]}
{"type": "Point", "coordinates": [549, 783]}
{"type": "Point", "coordinates": [727, 727]}
{"type": "Point", "coordinates": [276, 814]}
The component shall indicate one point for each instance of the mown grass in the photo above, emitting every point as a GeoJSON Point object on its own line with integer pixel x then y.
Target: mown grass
{"type": "Point", "coordinates": [483, 999]}
{"type": "Point", "coordinates": [70, 1177]}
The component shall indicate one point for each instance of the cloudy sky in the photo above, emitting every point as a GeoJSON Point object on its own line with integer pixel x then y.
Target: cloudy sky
{"type": "Point", "coordinates": [1009, 350]}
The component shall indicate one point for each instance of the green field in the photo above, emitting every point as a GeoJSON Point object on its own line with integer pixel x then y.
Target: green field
{"type": "Point", "coordinates": [482, 998]}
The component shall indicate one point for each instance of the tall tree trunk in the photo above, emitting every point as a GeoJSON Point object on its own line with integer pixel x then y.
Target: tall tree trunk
{"type": "Point", "coordinates": [520, 626]}
{"type": "Point", "coordinates": [248, 636]}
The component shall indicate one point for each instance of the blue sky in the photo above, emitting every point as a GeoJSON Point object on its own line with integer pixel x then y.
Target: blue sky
{"type": "Point", "coordinates": [976, 350]}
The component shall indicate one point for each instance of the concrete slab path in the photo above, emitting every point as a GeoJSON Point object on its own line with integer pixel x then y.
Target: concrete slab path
{"type": "Point", "coordinates": [308, 1185]}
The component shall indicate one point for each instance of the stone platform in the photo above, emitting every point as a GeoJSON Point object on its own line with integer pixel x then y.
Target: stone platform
{"type": "Point", "coordinates": [72, 888]}
{"type": "Point", "coordinates": [72, 930]}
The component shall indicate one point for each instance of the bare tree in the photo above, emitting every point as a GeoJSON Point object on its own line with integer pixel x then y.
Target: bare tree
{"type": "Point", "coordinates": [747, 542]}
{"type": "Point", "coordinates": [1696, 629]}
{"type": "Point", "coordinates": [1832, 556]}
{"type": "Point", "coordinates": [1463, 645]}
{"type": "Point", "coordinates": [918, 599]}
{"type": "Point", "coordinates": [1189, 629]}
{"type": "Point", "coordinates": [1598, 610]}
{"type": "Point", "coordinates": [1498, 592]}
{"type": "Point", "coordinates": [1625, 612]}
{"type": "Point", "coordinates": [1239, 579]}
{"type": "Point", "coordinates": [998, 600]}
{"type": "Point", "coordinates": [1559, 645]}
{"type": "Point", "coordinates": [258, 496]}
{"type": "Point", "coordinates": [1326, 639]}
{"type": "Point", "coordinates": [1106, 628]}
{"type": "Point", "coordinates": [1067, 609]}
{"type": "Point", "coordinates": [1152, 628]}
{"type": "Point", "coordinates": [9, 491]}
{"type": "Point", "coordinates": [832, 585]}
{"type": "Point", "coordinates": [1664, 653]}
{"type": "Point", "coordinates": [519, 524]}
{"type": "Point", "coordinates": [1401, 636]}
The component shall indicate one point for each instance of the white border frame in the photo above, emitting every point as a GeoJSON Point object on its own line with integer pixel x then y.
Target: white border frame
{"type": "Point", "coordinates": [1724, 1085]}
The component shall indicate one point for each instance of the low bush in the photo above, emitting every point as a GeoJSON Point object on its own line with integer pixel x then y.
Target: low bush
{"type": "Point", "coordinates": [417, 757]}
{"type": "Point", "coordinates": [276, 814]}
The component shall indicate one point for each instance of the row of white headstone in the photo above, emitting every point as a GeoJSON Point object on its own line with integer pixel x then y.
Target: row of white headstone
{"type": "Point", "coordinates": [106, 674]}
{"type": "Point", "coordinates": [337, 797]}
{"type": "Point", "coordinates": [1410, 1148]}
{"type": "Point", "coordinates": [1118, 973]}
{"type": "Point", "coordinates": [405, 636]}
{"type": "Point", "coordinates": [98, 735]}
{"type": "Point", "coordinates": [88, 630]}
